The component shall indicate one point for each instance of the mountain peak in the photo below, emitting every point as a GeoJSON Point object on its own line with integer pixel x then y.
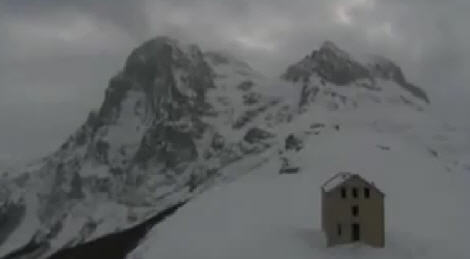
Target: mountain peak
{"type": "Point", "coordinates": [330, 63]}
{"type": "Point", "coordinates": [328, 44]}
{"type": "Point", "coordinates": [163, 40]}
{"type": "Point", "coordinates": [329, 49]}
{"type": "Point", "coordinates": [166, 72]}
{"type": "Point", "coordinates": [157, 50]}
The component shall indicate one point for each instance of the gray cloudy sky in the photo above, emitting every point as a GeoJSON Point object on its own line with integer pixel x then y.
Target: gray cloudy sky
{"type": "Point", "coordinates": [57, 55]}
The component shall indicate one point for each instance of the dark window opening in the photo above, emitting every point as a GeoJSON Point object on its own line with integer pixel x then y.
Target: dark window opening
{"type": "Point", "coordinates": [343, 193]}
{"type": "Point", "coordinates": [366, 193]}
{"type": "Point", "coordinates": [356, 232]}
{"type": "Point", "coordinates": [354, 192]}
{"type": "Point", "coordinates": [339, 229]}
{"type": "Point", "coordinates": [355, 210]}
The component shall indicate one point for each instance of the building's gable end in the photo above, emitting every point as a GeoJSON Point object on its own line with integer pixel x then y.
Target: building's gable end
{"type": "Point", "coordinates": [335, 181]}
{"type": "Point", "coordinates": [350, 181]}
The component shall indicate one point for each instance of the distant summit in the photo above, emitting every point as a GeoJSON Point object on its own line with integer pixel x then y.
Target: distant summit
{"type": "Point", "coordinates": [332, 64]}
{"type": "Point", "coordinates": [333, 49]}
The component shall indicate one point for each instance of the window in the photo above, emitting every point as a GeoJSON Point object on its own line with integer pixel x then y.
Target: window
{"type": "Point", "coordinates": [343, 193]}
{"type": "Point", "coordinates": [354, 192]}
{"type": "Point", "coordinates": [339, 229]}
{"type": "Point", "coordinates": [355, 210]}
{"type": "Point", "coordinates": [366, 193]}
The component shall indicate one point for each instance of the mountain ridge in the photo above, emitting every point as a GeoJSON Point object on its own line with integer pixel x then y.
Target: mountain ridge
{"type": "Point", "coordinates": [334, 64]}
{"type": "Point", "coordinates": [171, 119]}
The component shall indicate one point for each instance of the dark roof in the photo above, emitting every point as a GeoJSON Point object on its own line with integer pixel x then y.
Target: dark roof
{"type": "Point", "coordinates": [343, 177]}
{"type": "Point", "coordinates": [336, 180]}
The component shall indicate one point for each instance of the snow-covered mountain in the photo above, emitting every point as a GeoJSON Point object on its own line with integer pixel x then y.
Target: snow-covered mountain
{"type": "Point", "coordinates": [177, 121]}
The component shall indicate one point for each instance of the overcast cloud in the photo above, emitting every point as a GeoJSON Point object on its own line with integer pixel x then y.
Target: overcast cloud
{"type": "Point", "coordinates": [57, 55]}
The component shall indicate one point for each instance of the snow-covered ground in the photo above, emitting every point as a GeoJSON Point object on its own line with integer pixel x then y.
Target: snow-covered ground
{"type": "Point", "coordinates": [263, 214]}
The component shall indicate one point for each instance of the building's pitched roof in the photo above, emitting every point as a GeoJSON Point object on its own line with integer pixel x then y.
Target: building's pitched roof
{"type": "Point", "coordinates": [342, 177]}
{"type": "Point", "coordinates": [336, 180]}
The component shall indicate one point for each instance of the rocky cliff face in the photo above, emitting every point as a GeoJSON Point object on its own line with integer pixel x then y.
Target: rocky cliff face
{"type": "Point", "coordinates": [150, 118]}
{"type": "Point", "coordinates": [170, 120]}
{"type": "Point", "coordinates": [330, 71]}
{"type": "Point", "coordinates": [331, 64]}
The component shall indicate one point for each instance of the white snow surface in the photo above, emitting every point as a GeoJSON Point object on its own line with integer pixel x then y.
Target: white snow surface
{"type": "Point", "coordinates": [263, 214]}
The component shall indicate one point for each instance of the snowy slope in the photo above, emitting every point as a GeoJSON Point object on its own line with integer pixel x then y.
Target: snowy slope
{"type": "Point", "coordinates": [267, 215]}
